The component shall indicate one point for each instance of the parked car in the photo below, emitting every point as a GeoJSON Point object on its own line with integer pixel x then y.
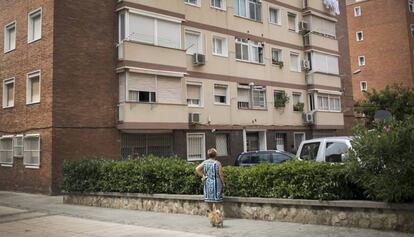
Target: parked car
{"type": "Point", "coordinates": [328, 149]}
{"type": "Point", "coordinates": [251, 158]}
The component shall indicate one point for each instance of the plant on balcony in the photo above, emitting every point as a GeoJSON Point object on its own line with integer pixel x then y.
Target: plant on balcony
{"type": "Point", "coordinates": [299, 107]}
{"type": "Point", "coordinates": [281, 99]}
{"type": "Point", "coordinates": [280, 63]}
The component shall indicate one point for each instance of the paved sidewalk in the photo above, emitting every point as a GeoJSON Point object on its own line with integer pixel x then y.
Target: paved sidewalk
{"type": "Point", "coordinates": [38, 215]}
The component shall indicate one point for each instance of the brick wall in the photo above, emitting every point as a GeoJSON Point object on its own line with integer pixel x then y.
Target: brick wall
{"type": "Point", "coordinates": [387, 44]}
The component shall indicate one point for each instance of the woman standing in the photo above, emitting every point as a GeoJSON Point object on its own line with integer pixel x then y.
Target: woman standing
{"type": "Point", "coordinates": [211, 172]}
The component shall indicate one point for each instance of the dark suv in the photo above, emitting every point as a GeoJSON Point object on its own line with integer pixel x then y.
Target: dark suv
{"type": "Point", "coordinates": [251, 158]}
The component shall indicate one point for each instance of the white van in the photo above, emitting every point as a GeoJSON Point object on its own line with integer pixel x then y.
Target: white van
{"type": "Point", "coordinates": [328, 149]}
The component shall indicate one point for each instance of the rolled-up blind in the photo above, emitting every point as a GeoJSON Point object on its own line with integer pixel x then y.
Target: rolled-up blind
{"type": "Point", "coordinates": [168, 34]}
{"type": "Point", "coordinates": [193, 92]}
{"type": "Point", "coordinates": [141, 28]}
{"type": "Point", "coordinates": [169, 89]}
{"type": "Point", "coordinates": [141, 82]}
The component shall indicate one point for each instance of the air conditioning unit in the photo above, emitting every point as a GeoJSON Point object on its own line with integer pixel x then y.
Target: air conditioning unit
{"type": "Point", "coordinates": [306, 64]}
{"type": "Point", "coordinates": [199, 59]}
{"type": "Point", "coordinates": [309, 118]}
{"type": "Point", "coordinates": [306, 40]}
{"type": "Point", "coordinates": [303, 27]}
{"type": "Point", "coordinates": [194, 117]}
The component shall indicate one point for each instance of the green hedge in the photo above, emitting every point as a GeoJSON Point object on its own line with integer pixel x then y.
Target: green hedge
{"type": "Point", "coordinates": [306, 180]}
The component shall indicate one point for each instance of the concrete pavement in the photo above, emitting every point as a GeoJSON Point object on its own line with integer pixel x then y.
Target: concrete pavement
{"type": "Point", "coordinates": [38, 215]}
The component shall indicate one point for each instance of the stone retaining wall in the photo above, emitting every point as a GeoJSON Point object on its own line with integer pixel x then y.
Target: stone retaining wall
{"type": "Point", "coordinates": [363, 214]}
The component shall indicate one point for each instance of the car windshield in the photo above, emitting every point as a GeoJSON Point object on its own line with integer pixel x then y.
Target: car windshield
{"type": "Point", "coordinates": [310, 151]}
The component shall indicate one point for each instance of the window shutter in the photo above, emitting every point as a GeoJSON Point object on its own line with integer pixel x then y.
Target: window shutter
{"type": "Point", "coordinates": [192, 42]}
{"type": "Point", "coordinates": [37, 26]}
{"type": "Point", "coordinates": [141, 82]}
{"type": "Point", "coordinates": [193, 92]}
{"type": "Point", "coordinates": [122, 87]}
{"type": "Point", "coordinates": [168, 34]}
{"type": "Point", "coordinates": [141, 28]}
{"type": "Point", "coordinates": [35, 89]}
{"type": "Point", "coordinates": [221, 144]}
{"type": "Point", "coordinates": [220, 90]}
{"type": "Point", "coordinates": [169, 89]}
{"type": "Point", "coordinates": [243, 95]}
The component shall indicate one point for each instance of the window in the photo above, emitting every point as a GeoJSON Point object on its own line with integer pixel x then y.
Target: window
{"type": "Point", "coordinates": [31, 155]}
{"type": "Point", "coordinates": [194, 95]}
{"type": "Point", "coordinates": [326, 63]}
{"type": "Point", "coordinates": [411, 5]}
{"type": "Point", "coordinates": [248, 50]}
{"type": "Point", "coordinates": [6, 150]}
{"type": "Point", "coordinates": [361, 60]}
{"type": "Point", "coordinates": [33, 88]}
{"type": "Point", "coordinates": [248, 8]}
{"type": "Point", "coordinates": [334, 151]}
{"type": "Point", "coordinates": [364, 86]}
{"type": "Point", "coordinates": [298, 137]}
{"type": "Point", "coordinates": [121, 25]}
{"type": "Point", "coordinates": [193, 42]}
{"type": "Point", "coordinates": [280, 99]}
{"type": "Point", "coordinates": [360, 36]}
{"type": "Point", "coordinates": [196, 146]}
{"type": "Point", "coordinates": [277, 56]}
{"type": "Point", "coordinates": [222, 145]}
{"type": "Point", "coordinates": [193, 2]}
{"type": "Point", "coordinates": [294, 62]}
{"type": "Point", "coordinates": [142, 96]}
{"type": "Point", "coordinates": [220, 94]}
{"type": "Point", "coordinates": [8, 93]}
{"type": "Point", "coordinates": [357, 11]}
{"type": "Point", "coordinates": [219, 4]}
{"type": "Point", "coordinates": [136, 145]}
{"type": "Point", "coordinates": [220, 47]}
{"type": "Point", "coordinates": [311, 98]}
{"type": "Point", "coordinates": [310, 151]}
{"type": "Point", "coordinates": [329, 103]}
{"type": "Point", "coordinates": [249, 97]}
{"type": "Point", "coordinates": [18, 146]}
{"type": "Point", "coordinates": [321, 26]}
{"type": "Point", "coordinates": [152, 30]}
{"type": "Point", "coordinates": [10, 37]}
{"type": "Point", "coordinates": [412, 31]}
{"type": "Point", "coordinates": [297, 102]}
{"type": "Point", "coordinates": [274, 16]}
{"type": "Point", "coordinates": [280, 141]}
{"type": "Point", "coordinates": [292, 24]}
{"type": "Point", "coordinates": [34, 26]}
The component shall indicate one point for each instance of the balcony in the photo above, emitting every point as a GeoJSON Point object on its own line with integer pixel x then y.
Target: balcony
{"type": "Point", "coordinates": [160, 116]}
{"type": "Point", "coordinates": [317, 40]}
{"type": "Point", "coordinates": [329, 120]}
{"type": "Point", "coordinates": [152, 57]}
{"type": "Point", "coordinates": [317, 79]}
{"type": "Point", "coordinates": [316, 5]}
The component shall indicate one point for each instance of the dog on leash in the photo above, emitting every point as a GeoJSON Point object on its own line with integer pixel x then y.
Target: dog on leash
{"type": "Point", "coordinates": [216, 218]}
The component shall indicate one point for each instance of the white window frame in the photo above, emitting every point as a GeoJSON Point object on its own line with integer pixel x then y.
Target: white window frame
{"type": "Point", "coordinates": [227, 145]}
{"type": "Point", "coordinates": [29, 18]}
{"type": "Point", "coordinates": [359, 60]}
{"type": "Point", "coordinates": [200, 84]}
{"type": "Point", "coordinates": [247, 7]}
{"type": "Point", "coordinates": [362, 87]}
{"type": "Point", "coordinates": [198, 4]}
{"type": "Point", "coordinates": [203, 148]}
{"type": "Point", "coordinates": [300, 94]}
{"type": "Point", "coordinates": [329, 96]}
{"type": "Point", "coordinates": [15, 145]}
{"type": "Point", "coordinates": [296, 30]}
{"type": "Point", "coordinates": [411, 6]}
{"type": "Point", "coordinates": [28, 86]}
{"type": "Point", "coordinates": [32, 166]}
{"type": "Point", "coordinates": [227, 94]}
{"type": "Point", "coordinates": [143, 102]}
{"type": "Point", "coordinates": [299, 67]}
{"type": "Point", "coordinates": [280, 54]}
{"type": "Point", "coordinates": [10, 164]}
{"type": "Point", "coordinates": [294, 138]}
{"type": "Point", "coordinates": [279, 16]}
{"type": "Point", "coordinates": [357, 11]}
{"type": "Point", "coordinates": [225, 46]}
{"type": "Point", "coordinates": [412, 30]}
{"type": "Point", "coordinates": [250, 45]}
{"type": "Point", "coordinates": [362, 36]}
{"type": "Point", "coordinates": [200, 40]}
{"type": "Point", "coordinates": [223, 3]}
{"type": "Point", "coordinates": [5, 100]}
{"type": "Point", "coordinates": [6, 36]}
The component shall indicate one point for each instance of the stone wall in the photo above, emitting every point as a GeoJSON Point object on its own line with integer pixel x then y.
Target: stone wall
{"type": "Point", "coordinates": [362, 214]}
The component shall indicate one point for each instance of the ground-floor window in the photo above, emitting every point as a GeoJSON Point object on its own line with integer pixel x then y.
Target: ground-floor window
{"type": "Point", "coordinates": [6, 150]}
{"type": "Point", "coordinates": [136, 145]}
{"type": "Point", "coordinates": [222, 145]}
{"type": "Point", "coordinates": [31, 155]}
{"type": "Point", "coordinates": [298, 138]}
{"type": "Point", "coordinates": [280, 139]}
{"type": "Point", "coordinates": [196, 147]}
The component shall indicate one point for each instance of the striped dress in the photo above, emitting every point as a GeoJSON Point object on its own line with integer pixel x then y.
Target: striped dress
{"type": "Point", "coordinates": [212, 185]}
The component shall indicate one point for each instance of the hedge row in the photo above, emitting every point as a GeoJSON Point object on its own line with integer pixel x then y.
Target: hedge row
{"type": "Point", "coordinates": [305, 180]}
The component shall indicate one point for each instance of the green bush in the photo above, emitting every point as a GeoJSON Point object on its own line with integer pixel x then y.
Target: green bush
{"type": "Point", "coordinates": [306, 180]}
{"type": "Point", "coordinates": [382, 160]}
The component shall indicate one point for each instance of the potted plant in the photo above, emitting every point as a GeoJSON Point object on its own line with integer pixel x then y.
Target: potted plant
{"type": "Point", "coordinates": [280, 63]}
{"type": "Point", "coordinates": [281, 99]}
{"type": "Point", "coordinates": [299, 107]}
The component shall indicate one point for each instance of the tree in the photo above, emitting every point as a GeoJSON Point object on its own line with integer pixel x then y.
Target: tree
{"type": "Point", "coordinates": [397, 99]}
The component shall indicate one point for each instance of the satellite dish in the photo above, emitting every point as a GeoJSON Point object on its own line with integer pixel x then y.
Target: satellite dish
{"type": "Point", "coordinates": [382, 115]}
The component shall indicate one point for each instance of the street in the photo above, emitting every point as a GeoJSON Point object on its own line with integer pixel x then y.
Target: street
{"type": "Point", "coordinates": [39, 215]}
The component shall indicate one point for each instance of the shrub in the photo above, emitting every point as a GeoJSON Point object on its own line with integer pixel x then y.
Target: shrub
{"type": "Point", "coordinates": [382, 160]}
{"type": "Point", "coordinates": [307, 180]}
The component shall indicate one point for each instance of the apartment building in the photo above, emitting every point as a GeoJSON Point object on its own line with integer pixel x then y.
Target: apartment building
{"type": "Point", "coordinates": [167, 78]}
{"type": "Point", "coordinates": [381, 35]}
